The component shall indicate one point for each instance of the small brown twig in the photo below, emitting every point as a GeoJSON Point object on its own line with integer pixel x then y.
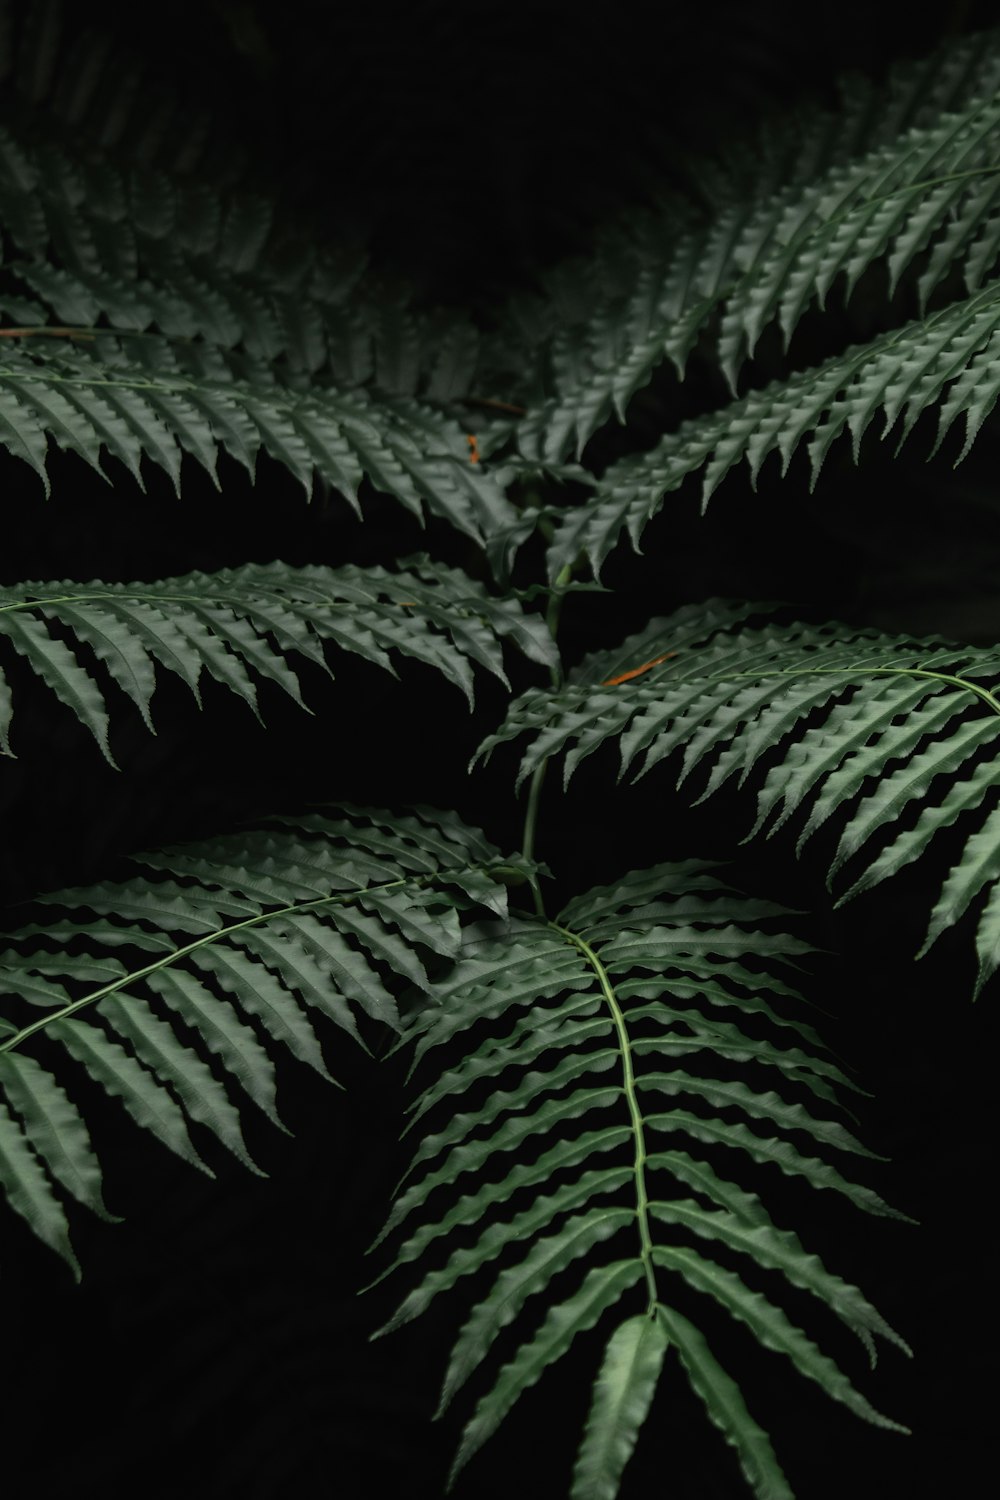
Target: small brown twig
{"type": "Point", "coordinates": [48, 332]}
{"type": "Point", "coordinates": [516, 411]}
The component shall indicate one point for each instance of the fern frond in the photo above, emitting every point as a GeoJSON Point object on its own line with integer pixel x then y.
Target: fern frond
{"type": "Point", "coordinates": [910, 173]}
{"type": "Point", "coordinates": [99, 243]}
{"type": "Point", "coordinates": [278, 322]}
{"type": "Point", "coordinates": [933, 186]}
{"type": "Point", "coordinates": [227, 947]}
{"type": "Point", "coordinates": [947, 360]}
{"type": "Point", "coordinates": [237, 625]}
{"type": "Point", "coordinates": [87, 405]}
{"type": "Point", "coordinates": [663, 284]}
{"type": "Point", "coordinates": [584, 1054]}
{"type": "Point", "coordinates": [849, 725]}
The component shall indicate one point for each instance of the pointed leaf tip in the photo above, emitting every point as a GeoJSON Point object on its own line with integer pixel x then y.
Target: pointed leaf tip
{"type": "Point", "coordinates": [623, 1394]}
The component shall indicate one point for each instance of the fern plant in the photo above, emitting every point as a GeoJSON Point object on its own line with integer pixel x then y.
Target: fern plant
{"type": "Point", "coordinates": [605, 1094]}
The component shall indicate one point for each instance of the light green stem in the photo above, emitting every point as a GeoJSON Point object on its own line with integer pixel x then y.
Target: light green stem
{"type": "Point", "coordinates": [538, 778]}
{"type": "Point", "coordinates": [210, 937]}
{"type": "Point", "coordinates": [811, 230]}
{"type": "Point", "coordinates": [531, 813]}
{"type": "Point", "coordinates": [137, 595]}
{"type": "Point", "coordinates": [639, 1160]}
{"type": "Point", "coordinates": [958, 682]}
{"type": "Point", "coordinates": [913, 187]}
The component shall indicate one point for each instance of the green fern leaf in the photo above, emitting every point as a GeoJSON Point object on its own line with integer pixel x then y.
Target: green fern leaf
{"type": "Point", "coordinates": [236, 939]}
{"type": "Point", "coordinates": [887, 206]}
{"type": "Point", "coordinates": [59, 670]}
{"type": "Point", "coordinates": [124, 656]}
{"type": "Point", "coordinates": [902, 374]}
{"type": "Point", "coordinates": [123, 1077]}
{"type": "Point", "coordinates": [226, 625]}
{"type": "Point", "coordinates": [601, 1289]}
{"type": "Point", "coordinates": [979, 865]}
{"type": "Point", "coordinates": [748, 1227]}
{"type": "Point", "coordinates": [988, 939]}
{"type": "Point", "coordinates": [407, 450]}
{"type": "Point", "coordinates": [769, 1325]}
{"type": "Point", "coordinates": [55, 1128]}
{"type": "Point", "coordinates": [20, 431]}
{"type": "Point", "coordinates": [262, 988]}
{"type": "Point", "coordinates": [180, 1068]}
{"type": "Point", "coordinates": [901, 721]}
{"type": "Point", "coordinates": [469, 1209]}
{"type": "Point", "coordinates": [577, 1020]}
{"type": "Point", "coordinates": [150, 249]}
{"type": "Point", "coordinates": [916, 174]}
{"type": "Point", "coordinates": [154, 253]}
{"type": "Point", "coordinates": [29, 1191]}
{"type": "Point", "coordinates": [623, 1394]}
{"type": "Point", "coordinates": [600, 367]}
{"type": "Point", "coordinates": [807, 764]}
{"type": "Point", "coordinates": [223, 1034]}
{"type": "Point", "coordinates": [724, 1404]}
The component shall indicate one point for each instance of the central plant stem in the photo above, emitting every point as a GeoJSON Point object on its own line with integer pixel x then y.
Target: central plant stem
{"type": "Point", "coordinates": [601, 973]}
{"type": "Point", "coordinates": [219, 934]}
{"type": "Point", "coordinates": [628, 1079]}
{"type": "Point", "coordinates": [538, 778]}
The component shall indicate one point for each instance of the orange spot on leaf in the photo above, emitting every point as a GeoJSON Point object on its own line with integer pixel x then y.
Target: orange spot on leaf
{"type": "Point", "coordinates": [473, 443]}
{"type": "Point", "coordinates": [637, 671]}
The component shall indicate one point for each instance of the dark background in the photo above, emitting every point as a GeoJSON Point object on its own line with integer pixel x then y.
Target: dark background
{"type": "Point", "coordinates": [217, 1345]}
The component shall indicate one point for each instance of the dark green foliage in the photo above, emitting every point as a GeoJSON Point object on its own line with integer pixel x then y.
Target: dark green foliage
{"type": "Point", "coordinates": [603, 1092]}
{"type": "Point", "coordinates": [235, 625]}
{"type": "Point", "coordinates": [312, 913]}
{"type": "Point", "coordinates": [623, 965]}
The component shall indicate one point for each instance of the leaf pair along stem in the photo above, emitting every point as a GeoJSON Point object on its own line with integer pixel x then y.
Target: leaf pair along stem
{"type": "Point", "coordinates": [628, 1080]}
{"type": "Point", "coordinates": [607, 990]}
{"type": "Point", "coordinates": [600, 972]}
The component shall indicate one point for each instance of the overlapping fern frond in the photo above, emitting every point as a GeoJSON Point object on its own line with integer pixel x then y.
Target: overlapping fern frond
{"type": "Point", "coordinates": [889, 738]}
{"type": "Point", "coordinates": [148, 316]}
{"type": "Point", "coordinates": [89, 245]}
{"type": "Point", "coordinates": [174, 989]}
{"type": "Point", "coordinates": [236, 626]}
{"type": "Point", "coordinates": [904, 179]}
{"type": "Point", "coordinates": [88, 405]}
{"type": "Point", "coordinates": [94, 241]}
{"type": "Point", "coordinates": [134, 188]}
{"type": "Point", "coordinates": [948, 362]}
{"type": "Point", "coordinates": [619, 1020]}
